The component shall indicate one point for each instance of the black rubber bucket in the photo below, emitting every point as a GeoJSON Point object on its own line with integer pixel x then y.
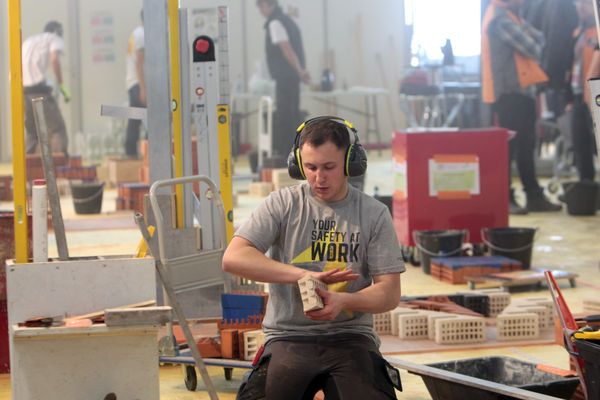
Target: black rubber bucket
{"type": "Point", "coordinates": [515, 243]}
{"type": "Point", "coordinates": [87, 196]}
{"type": "Point", "coordinates": [438, 243]}
{"type": "Point", "coordinates": [581, 197]}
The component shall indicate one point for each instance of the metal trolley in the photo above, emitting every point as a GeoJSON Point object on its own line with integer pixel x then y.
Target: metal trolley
{"type": "Point", "coordinates": [184, 272]}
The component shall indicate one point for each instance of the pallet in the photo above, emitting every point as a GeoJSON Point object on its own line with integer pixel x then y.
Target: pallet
{"type": "Point", "coordinates": [516, 279]}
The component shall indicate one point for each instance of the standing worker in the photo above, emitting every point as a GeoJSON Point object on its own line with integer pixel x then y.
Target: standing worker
{"type": "Point", "coordinates": [285, 59]}
{"type": "Point", "coordinates": [586, 65]}
{"type": "Point", "coordinates": [327, 229]}
{"type": "Point", "coordinates": [136, 86]}
{"type": "Point", "coordinates": [510, 54]}
{"type": "Point", "coordinates": [38, 52]}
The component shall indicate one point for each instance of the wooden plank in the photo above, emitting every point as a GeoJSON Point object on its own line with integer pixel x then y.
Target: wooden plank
{"type": "Point", "coordinates": [138, 316]}
{"type": "Point", "coordinates": [22, 333]}
{"type": "Point", "coordinates": [518, 278]}
{"type": "Point", "coordinates": [96, 314]}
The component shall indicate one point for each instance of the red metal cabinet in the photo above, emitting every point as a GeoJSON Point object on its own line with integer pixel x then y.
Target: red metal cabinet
{"type": "Point", "coordinates": [450, 180]}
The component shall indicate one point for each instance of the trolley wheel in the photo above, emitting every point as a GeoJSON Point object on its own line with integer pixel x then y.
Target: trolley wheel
{"type": "Point", "coordinates": [190, 379]}
{"type": "Point", "coordinates": [414, 257]}
{"type": "Point", "coordinates": [228, 373]}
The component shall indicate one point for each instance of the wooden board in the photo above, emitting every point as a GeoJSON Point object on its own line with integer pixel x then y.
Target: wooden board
{"type": "Point", "coordinates": [518, 278]}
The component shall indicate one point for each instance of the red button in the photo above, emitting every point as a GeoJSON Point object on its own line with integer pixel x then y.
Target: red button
{"type": "Point", "coordinates": [202, 46]}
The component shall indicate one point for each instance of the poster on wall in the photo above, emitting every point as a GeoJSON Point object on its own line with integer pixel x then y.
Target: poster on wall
{"type": "Point", "coordinates": [454, 175]}
{"type": "Point", "coordinates": [102, 37]}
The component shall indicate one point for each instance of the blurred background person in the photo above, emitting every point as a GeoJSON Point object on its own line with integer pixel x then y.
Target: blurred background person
{"type": "Point", "coordinates": [286, 63]}
{"type": "Point", "coordinates": [136, 87]}
{"type": "Point", "coordinates": [510, 55]}
{"type": "Point", "coordinates": [39, 52]}
{"type": "Point", "coordinates": [586, 65]}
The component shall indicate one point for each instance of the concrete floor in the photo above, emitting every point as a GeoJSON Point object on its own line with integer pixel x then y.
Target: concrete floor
{"type": "Point", "coordinates": [563, 242]}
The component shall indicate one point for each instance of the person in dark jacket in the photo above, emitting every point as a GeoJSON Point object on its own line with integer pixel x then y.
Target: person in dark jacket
{"type": "Point", "coordinates": [510, 54]}
{"type": "Point", "coordinates": [286, 63]}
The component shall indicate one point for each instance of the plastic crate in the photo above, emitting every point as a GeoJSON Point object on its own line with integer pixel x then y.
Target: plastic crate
{"type": "Point", "coordinates": [590, 352]}
{"type": "Point", "coordinates": [501, 370]}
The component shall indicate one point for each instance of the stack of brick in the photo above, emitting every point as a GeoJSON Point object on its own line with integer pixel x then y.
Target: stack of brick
{"type": "Point", "coordinates": [455, 269]}
{"type": "Point", "coordinates": [382, 323]}
{"type": "Point", "coordinates": [443, 327]}
{"type": "Point", "coordinates": [77, 173]}
{"type": "Point", "coordinates": [241, 336]}
{"type": "Point", "coordinates": [236, 341]}
{"type": "Point", "coordinates": [208, 347]}
{"type": "Point", "coordinates": [460, 330]}
{"type": "Point", "coordinates": [542, 307]}
{"type": "Point", "coordinates": [123, 171]}
{"type": "Point", "coordinates": [130, 196]}
{"type": "Point", "coordinates": [517, 326]}
{"type": "Point", "coordinates": [281, 178]}
{"type": "Point", "coordinates": [525, 318]}
{"type": "Point", "coordinates": [35, 168]}
{"type": "Point", "coordinates": [253, 340]}
{"type": "Point", "coordinates": [498, 300]}
{"type": "Point", "coordinates": [413, 326]}
{"type": "Point", "coordinates": [434, 316]}
{"type": "Point", "coordinates": [6, 191]}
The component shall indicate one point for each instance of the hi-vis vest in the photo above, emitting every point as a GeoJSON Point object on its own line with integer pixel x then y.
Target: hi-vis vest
{"type": "Point", "coordinates": [504, 70]}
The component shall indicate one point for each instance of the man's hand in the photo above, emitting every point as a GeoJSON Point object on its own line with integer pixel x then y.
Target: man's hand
{"type": "Point", "coordinates": [65, 92]}
{"type": "Point", "coordinates": [332, 306]}
{"type": "Point", "coordinates": [305, 77]}
{"type": "Point", "coordinates": [335, 276]}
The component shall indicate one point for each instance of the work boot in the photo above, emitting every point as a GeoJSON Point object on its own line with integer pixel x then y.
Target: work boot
{"type": "Point", "coordinates": [513, 207]}
{"type": "Point", "coordinates": [539, 203]}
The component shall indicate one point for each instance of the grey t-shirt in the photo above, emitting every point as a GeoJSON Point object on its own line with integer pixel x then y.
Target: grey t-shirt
{"type": "Point", "coordinates": [356, 232]}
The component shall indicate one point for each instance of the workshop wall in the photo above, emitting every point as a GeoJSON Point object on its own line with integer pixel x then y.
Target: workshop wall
{"type": "Point", "coordinates": [94, 69]}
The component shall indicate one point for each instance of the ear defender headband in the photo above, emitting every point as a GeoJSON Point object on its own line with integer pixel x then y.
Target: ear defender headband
{"type": "Point", "coordinates": [355, 160]}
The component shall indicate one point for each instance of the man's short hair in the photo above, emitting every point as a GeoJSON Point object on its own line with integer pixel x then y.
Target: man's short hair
{"type": "Point", "coordinates": [272, 3]}
{"type": "Point", "coordinates": [319, 132]}
{"type": "Point", "coordinates": [54, 27]}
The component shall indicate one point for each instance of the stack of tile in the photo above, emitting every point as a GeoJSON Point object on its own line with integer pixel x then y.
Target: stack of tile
{"type": "Point", "coordinates": [455, 269]}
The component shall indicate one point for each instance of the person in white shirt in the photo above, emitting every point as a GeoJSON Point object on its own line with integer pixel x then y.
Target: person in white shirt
{"type": "Point", "coordinates": [286, 62]}
{"type": "Point", "coordinates": [39, 52]}
{"type": "Point", "coordinates": [136, 87]}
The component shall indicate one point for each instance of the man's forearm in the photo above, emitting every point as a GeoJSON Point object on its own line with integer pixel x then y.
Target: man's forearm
{"type": "Point", "coordinates": [379, 297]}
{"type": "Point", "coordinates": [251, 264]}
